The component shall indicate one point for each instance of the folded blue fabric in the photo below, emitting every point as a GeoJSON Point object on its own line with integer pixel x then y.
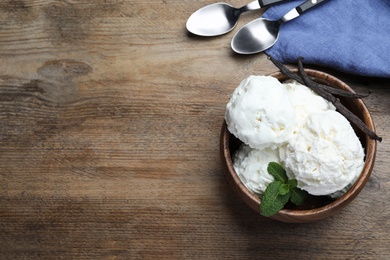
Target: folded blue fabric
{"type": "Point", "coordinates": [352, 36]}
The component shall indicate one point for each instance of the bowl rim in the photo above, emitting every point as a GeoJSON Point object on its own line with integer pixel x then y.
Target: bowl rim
{"type": "Point", "coordinates": [306, 215]}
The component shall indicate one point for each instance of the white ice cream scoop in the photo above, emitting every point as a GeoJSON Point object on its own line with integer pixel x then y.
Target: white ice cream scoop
{"type": "Point", "coordinates": [260, 113]}
{"type": "Point", "coordinates": [325, 155]}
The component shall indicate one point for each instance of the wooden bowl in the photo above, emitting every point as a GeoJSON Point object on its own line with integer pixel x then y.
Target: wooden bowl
{"type": "Point", "coordinates": [320, 207]}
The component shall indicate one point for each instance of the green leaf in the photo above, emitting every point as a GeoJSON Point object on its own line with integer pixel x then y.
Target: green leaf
{"type": "Point", "coordinates": [298, 196]}
{"type": "Point", "coordinates": [284, 189]}
{"type": "Point", "coordinates": [280, 191]}
{"type": "Point", "coordinates": [277, 171]}
{"type": "Point", "coordinates": [272, 201]}
{"type": "Point", "coordinates": [292, 183]}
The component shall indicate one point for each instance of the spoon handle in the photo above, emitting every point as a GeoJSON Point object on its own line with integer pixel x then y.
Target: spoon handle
{"type": "Point", "coordinates": [264, 3]}
{"type": "Point", "coordinates": [308, 5]}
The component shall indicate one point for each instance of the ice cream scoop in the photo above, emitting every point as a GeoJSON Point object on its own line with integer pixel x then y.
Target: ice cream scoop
{"type": "Point", "coordinates": [304, 102]}
{"type": "Point", "coordinates": [325, 155]}
{"type": "Point", "coordinates": [251, 166]}
{"type": "Point", "coordinates": [260, 113]}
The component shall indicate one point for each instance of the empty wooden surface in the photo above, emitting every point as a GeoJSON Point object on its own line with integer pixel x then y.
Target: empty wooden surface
{"type": "Point", "coordinates": [110, 116]}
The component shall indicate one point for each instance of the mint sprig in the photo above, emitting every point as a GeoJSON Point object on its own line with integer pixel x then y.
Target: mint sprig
{"type": "Point", "coordinates": [280, 191]}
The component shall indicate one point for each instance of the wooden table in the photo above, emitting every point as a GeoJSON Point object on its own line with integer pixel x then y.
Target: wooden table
{"type": "Point", "coordinates": [110, 116]}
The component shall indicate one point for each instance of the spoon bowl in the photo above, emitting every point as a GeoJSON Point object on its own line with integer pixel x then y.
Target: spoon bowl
{"type": "Point", "coordinates": [256, 36]}
{"type": "Point", "coordinates": [213, 20]}
{"type": "Point", "coordinates": [261, 34]}
{"type": "Point", "coordinates": [220, 18]}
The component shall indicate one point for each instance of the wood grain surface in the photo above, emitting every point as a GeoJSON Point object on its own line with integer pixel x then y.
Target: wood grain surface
{"type": "Point", "coordinates": [110, 117]}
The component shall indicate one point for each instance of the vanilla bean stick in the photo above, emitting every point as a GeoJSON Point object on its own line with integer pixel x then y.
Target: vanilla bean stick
{"type": "Point", "coordinates": [336, 102]}
{"type": "Point", "coordinates": [341, 92]}
{"type": "Point", "coordinates": [326, 92]}
{"type": "Point", "coordinates": [334, 91]}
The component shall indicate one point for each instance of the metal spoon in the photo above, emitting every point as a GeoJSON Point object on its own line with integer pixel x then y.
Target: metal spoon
{"type": "Point", "coordinates": [221, 18]}
{"type": "Point", "coordinates": [261, 34]}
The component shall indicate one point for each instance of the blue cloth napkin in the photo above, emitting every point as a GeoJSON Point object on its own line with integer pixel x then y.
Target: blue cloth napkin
{"type": "Point", "coordinates": [352, 36]}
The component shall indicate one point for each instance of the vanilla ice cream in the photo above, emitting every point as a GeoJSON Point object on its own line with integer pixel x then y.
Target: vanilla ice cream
{"type": "Point", "coordinates": [325, 156]}
{"type": "Point", "coordinates": [251, 166]}
{"type": "Point", "coordinates": [260, 113]}
{"type": "Point", "coordinates": [305, 102]}
{"type": "Point", "coordinates": [290, 124]}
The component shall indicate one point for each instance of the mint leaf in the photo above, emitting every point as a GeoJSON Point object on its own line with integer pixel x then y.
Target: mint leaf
{"type": "Point", "coordinates": [280, 191]}
{"type": "Point", "coordinates": [284, 189]}
{"type": "Point", "coordinates": [292, 183]}
{"type": "Point", "coordinates": [272, 201]}
{"type": "Point", "coordinates": [298, 196]}
{"type": "Point", "coordinates": [277, 171]}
